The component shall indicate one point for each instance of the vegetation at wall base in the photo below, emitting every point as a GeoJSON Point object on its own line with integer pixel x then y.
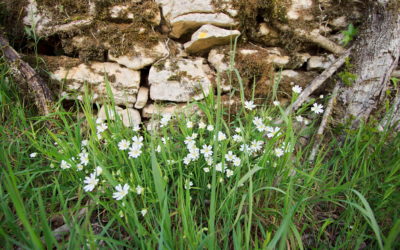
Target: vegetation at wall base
{"type": "Point", "coordinates": [224, 180]}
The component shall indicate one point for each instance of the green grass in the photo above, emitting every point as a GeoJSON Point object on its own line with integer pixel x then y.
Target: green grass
{"type": "Point", "coordinates": [347, 199]}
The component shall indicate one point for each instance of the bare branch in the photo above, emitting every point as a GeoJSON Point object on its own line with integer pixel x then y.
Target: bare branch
{"type": "Point", "coordinates": [313, 37]}
{"type": "Point", "coordinates": [317, 82]}
{"type": "Point", "coordinates": [324, 122]}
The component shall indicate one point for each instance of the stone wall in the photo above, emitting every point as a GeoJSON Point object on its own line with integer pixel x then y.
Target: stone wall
{"type": "Point", "coordinates": [159, 55]}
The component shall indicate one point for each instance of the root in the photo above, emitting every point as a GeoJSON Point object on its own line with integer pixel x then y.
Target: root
{"type": "Point", "coordinates": [313, 37]}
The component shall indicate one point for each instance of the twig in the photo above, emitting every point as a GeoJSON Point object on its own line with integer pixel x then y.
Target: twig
{"type": "Point", "coordinates": [25, 73]}
{"type": "Point", "coordinates": [313, 37]}
{"type": "Point", "coordinates": [324, 122]}
{"type": "Point", "coordinates": [317, 82]}
{"type": "Point", "coordinates": [392, 116]}
{"type": "Point", "coordinates": [60, 231]}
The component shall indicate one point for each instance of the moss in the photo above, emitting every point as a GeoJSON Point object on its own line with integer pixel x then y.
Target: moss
{"type": "Point", "coordinates": [65, 10]}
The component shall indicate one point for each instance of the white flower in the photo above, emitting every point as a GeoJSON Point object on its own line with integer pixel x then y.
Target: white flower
{"type": "Point", "coordinates": [164, 140]}
{"type": "Point", "coordinates": [317, 108]}
{"type": "Point", "coordinates": [91, 182]}
{"type": "Point", "coordinates": [272, 132]}
{"type": "Point", "coordinates": [255, 146]}
{"type": "Point", "coordinates": [84, 158]}
{"type": "Point", "coordinates": [84, 143]}
{"type": "Point", "coordinates": [99, 136]}
{"type": "Point", "coordinates": [221, 136]}
{"type": "Point", "coordinates": [207, 151]}
{"type": "Point", "coordinates": [278, 152]}
{"type": "Point", "coordinates": [257, 120]}
{"type": "Point", "coordinates": [165, 119]}
{"type": "Point", "coordinates": [194, 154]}
{"type": "Point", "coordinates": [202, 125]}
{"type": "Point", "coordinates": [143, 212]}
{"type": "Point", "coordinates": [187, 160]}
{"type": "Point", "coordinates": [210, 127]}
{"type": "Point", "coordinates": [33, 155]}
{"type": "Point", "coordinates": [230, 156]}
{"type": "Point", "coordinates": [321, 96]}
{"type": "Point", "coordinates": [101, 127]}
{"type": "Point", "coordinates": [259, 124]}
{"type": "Point", "coordinates": [238, 130]}
{"type": "Point", "coordinates": [189, 124]}
{"type": "Point", "coordinates": [249, 105]}
{"type": "Point", "coordinates": [276, 103]}
{"type": "Point", "coordinates": [189, 141]}
{"type": "Point", "coordinates": [244, 148]}
{"type": "Point", "coordinates": [65, 165]}
{"type": "Point", "coordinates": [219, 168]}
{"type": "Point", "coordinates": [299, 118]}
{"type": "Point", "coordinates": [136, 128]}
{"type": "Point", "coordinates": [261, 127]}
{"type": "Point", "coordinates": [139, 190]}
{"type": "Point", "coordinates": [137, 142]}
{"type": "Point", "coordinates": [229, 173]}
{"type": "Point", "coordinates": [191, 146]}
{"type": "Point", "coordinates": [134, 152]}
{"type": "Point", "coordinates": [122, 191]}
{"type": "Point", "coordinates": [99, 121]}
{"type": "Point", "coordinates": [297, 89]}
{"type": "Point", "coordinates": [209, 186]}
{"type": "Point", "coordinates": [98, 170]}
{"type": "Point", "coordinates": [209, 161]}
{"type": "Point", "coordinates": [158, 149]}
{"type": "Point", "coordinates": [206, 170]}
{"type": "Point", "coordinates": [236, 162]}
{"type": "Point", "coordinates": [188, 184]}
{"type": "Point", "coordinates": [237, 138]}
{"type": "Point", "coordinates": [123, 145]}
{"type": "Point", "coordinates": [79, 167]}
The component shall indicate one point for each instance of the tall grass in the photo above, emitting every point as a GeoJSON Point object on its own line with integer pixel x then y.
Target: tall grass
{"type": "Point", "coordinates": [347, 199]}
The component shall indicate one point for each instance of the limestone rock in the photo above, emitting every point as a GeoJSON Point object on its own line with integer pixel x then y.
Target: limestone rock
{"type": "Point", "coordinates": [209, 36]}
{"type": "Point", "coordinates": [298, 10]}
{"type": "Point", "coordinates": [270, 55]}
{"type": "Point", "coordinates": [218, 60]}
{"type": "Point", "coordinates": [319, 62]}
{"type": "Point", "coordinates": [36, 18]}
{"type": "Point", "coordinates": [142, 97]}
{"type": "Point", "coordinates": [174, 8]}
{"type": "Point", "coordinates": [121, 12]}
{"type": "Point", "coordinates": [128, 116]}
{"type": "Point", "coordinates": [189, 22]}
{"type": "Point", "coordinates": [124, 83]}
{"type": "Point", "coordinates": [141, 56]}
{"type": "Point", "coordinates": [179, 80]}
{"type": "Point", "coordinates": [268, 35]}
{"type": "Point", "coordinates": [339, 22]}
{"type": "Point", "coordinates": [153, 110]}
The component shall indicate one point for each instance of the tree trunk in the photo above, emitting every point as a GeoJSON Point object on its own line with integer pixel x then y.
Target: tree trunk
{"type": "Point", "coordinates": [25, 74]}
{"type": "Point", "coordinates": [375, 56]}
